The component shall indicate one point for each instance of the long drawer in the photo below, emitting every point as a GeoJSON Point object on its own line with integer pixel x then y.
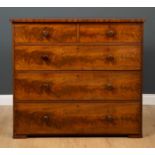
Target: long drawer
{"type": "Point", "coordinates": [111, 32]}
{"type": "Point", "coordinates": [45, 33]}
{"type": "Point", "coordinates": [78, 85]}
{"type": "Point", "coordinates": [77, 119]}
{"type": "Point", "coordinates": [78, 57]}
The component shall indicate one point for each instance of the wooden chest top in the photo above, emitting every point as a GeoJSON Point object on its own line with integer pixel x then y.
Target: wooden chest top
{"type": "Point", "coordinates": [91, 20]}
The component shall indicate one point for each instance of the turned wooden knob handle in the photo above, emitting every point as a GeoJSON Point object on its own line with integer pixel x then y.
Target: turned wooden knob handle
{"type": "Point", "coordinates": [110, 33]}
{"type": "Point", "coordinates": [45, 87]}
{"type": "Point", "coordinates": [45, 33]}
{"type": "Point", "coordinates": [110, 58]}
{"type": "Point", "coordinates": [46, 117]}
{"type": "Point", "coordinates": [46, 120]}
{"type": "Point", "coordinates": [45, 57]}
{"type": "Point", "coordinates": [109, 118]}
{"type": "Point", "coordinates": [109, 86]}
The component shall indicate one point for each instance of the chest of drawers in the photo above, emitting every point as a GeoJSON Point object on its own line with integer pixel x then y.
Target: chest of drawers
{"type": "Point", "coordinates": [77, 77]}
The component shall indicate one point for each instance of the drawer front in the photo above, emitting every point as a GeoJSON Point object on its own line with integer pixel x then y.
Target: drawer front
{"type": "Point", "coordinates": [78, 85]}
{"type": "Point", "coordinates": [44, 33]}
{"type": "Point", "coordinates": [77, 57]}
{"type": "Point", "coordinates": [77, 119]}
{"type": "Point", "coordinates": [112, 32]}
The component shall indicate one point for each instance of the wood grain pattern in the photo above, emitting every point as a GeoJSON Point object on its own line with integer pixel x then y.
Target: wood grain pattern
{"type": "Point", "coordinates": [114, 32]}
{"type": "Point", "coordinates": [78, 85]}
{"type": "Point", "coordinates": [38, 33]}
{"type": "Point", "coordinates": [77, 57]}
{"type": "Point", "coordinates": [78, 119]}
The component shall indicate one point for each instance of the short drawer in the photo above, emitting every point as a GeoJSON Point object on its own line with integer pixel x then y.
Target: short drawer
{"type": "Point", "coordinates": [78, 85]}
{"type": "Point", "coordinates": [77, 118]}
{"type": "Point", "coordinates": [111, 32]}
{"type": "Point", "coordinates": [44, 33]}
{"type": "Point", "coordinates": [78, 57]}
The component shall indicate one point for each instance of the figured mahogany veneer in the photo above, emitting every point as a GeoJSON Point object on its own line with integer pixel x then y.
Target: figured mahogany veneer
{"type": "Point", "coordinates": [78, 57]}
{"type": "Point", "coordinates": [78, 118]}
{"type": "Point", "coordinates": [77, 77]}
{"type": "Point", "coordinates": [39, 33]}
{"type": "Point", "coordinates": [110, 32]}
{"type": "Point", "coordinates": [78, 85]}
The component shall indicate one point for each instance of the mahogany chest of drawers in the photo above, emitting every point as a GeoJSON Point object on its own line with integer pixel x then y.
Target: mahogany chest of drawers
{"type": "Point", "coordinates": [77, 77]}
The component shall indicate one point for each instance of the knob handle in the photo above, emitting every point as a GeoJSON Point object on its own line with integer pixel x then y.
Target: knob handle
{"type": "Point", "coordinates": [45, 33]}
{"type": "Point", "coordinates": [110, 33]}
{"type": "Point", "coordinates": [45, 87]}
{"type": "Point", "coordinates": [109, 118]}
{"type": "Point", "coordinates": [109, 86]}
{"type": "Point", "coordinates": [46, 119]}
{"type": "Point", "coordinates": [110, 58]}
{"type": "Point", "coordinates": [45, 58]}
